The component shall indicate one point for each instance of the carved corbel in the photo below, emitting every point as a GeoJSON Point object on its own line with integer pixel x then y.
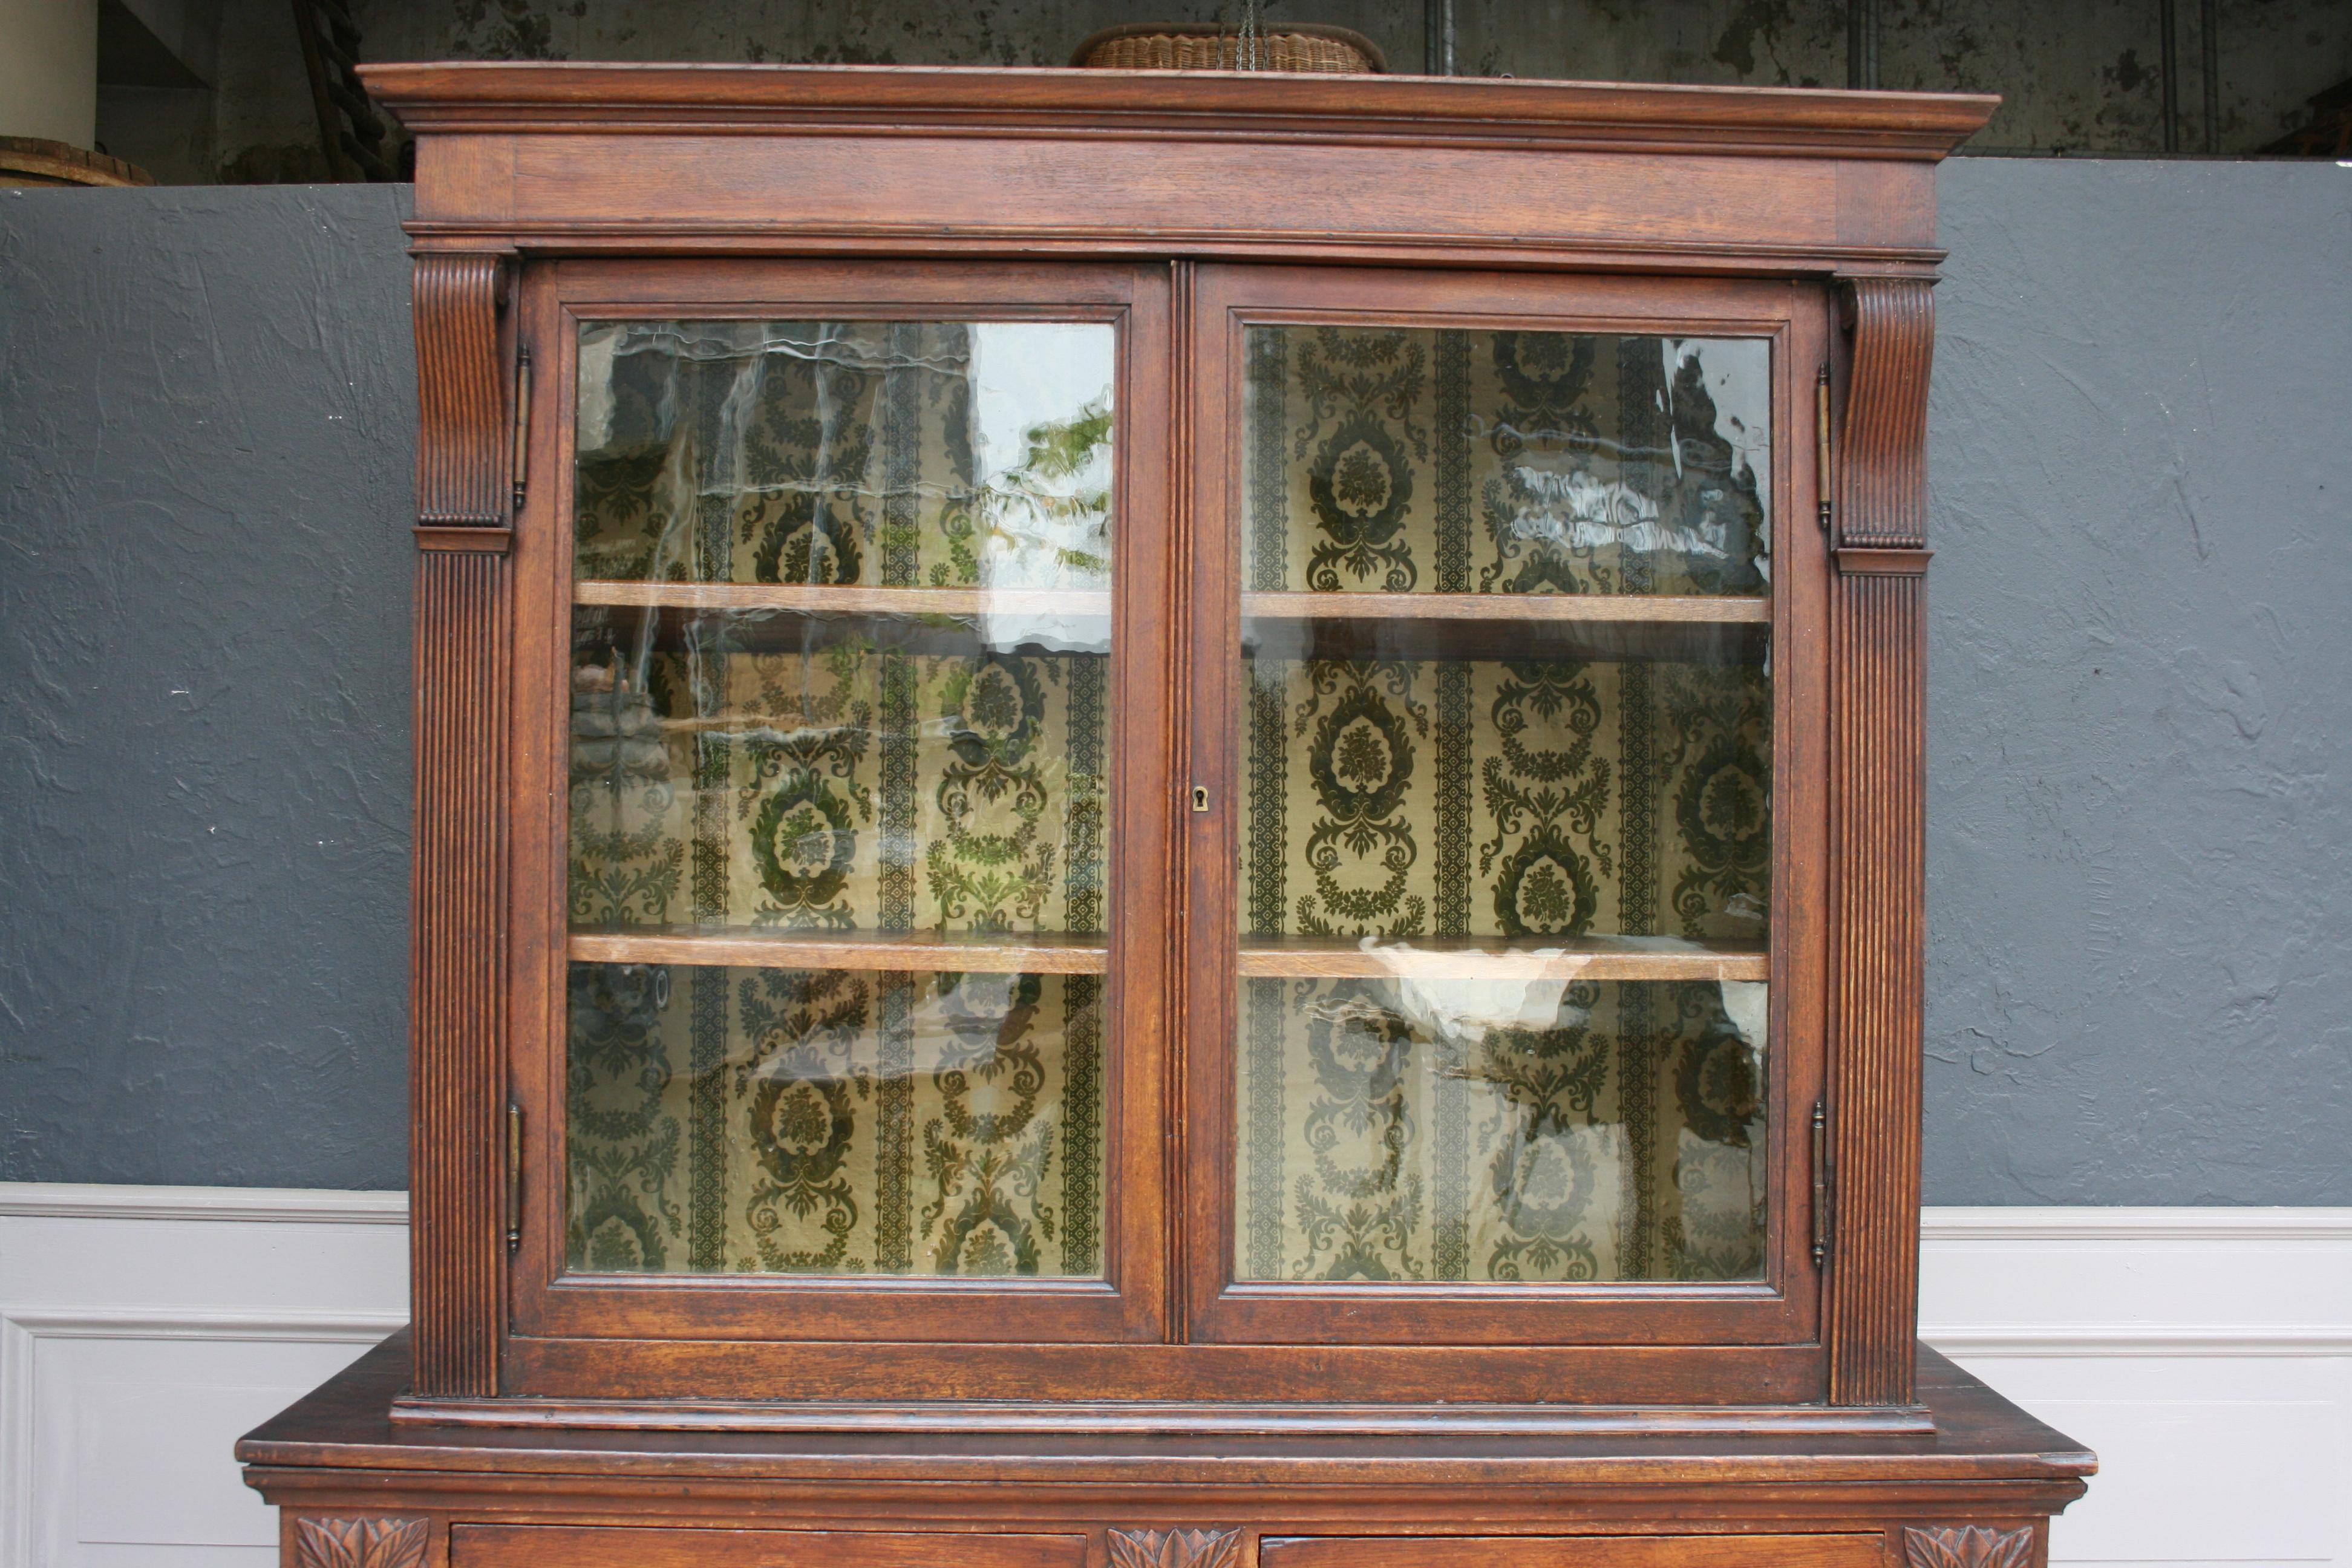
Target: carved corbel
{"type": "Point", "coordinates": [1882, 472]}
{"type": "Point", "coordinates": [464, 427]}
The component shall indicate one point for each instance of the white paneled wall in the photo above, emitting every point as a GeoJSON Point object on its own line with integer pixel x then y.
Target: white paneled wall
{"type": "Point", "coordinates": [2205, 1353]}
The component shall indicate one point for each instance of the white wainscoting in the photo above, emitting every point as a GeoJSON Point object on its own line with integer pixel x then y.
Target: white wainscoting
{"type": "Point", "coordinates": [2205, 1353]}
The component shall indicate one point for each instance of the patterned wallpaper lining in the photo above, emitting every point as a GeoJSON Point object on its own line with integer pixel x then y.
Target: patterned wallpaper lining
{"type": "Point", "coordinates": [837, 1121]}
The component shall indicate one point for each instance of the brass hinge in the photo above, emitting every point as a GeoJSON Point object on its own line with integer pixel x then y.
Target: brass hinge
{"type": "Point", "coordinates": [522, 425]}
{"type": "Point", "coordinates": [1822, 443]}
{"type": "Point", "coordinates": [1821, 1184]}
{"type": "Point", "coordinates": [514, 1176]}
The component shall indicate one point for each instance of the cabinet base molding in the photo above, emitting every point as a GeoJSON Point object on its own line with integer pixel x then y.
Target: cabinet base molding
{"type": "Point", "coordinates": [1973, 1488]}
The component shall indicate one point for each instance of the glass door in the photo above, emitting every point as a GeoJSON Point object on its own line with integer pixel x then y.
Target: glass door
{"type": "Point", "coordinates": [849, 566]}
{"type": "Point", "coordinates": [1495, 1030]}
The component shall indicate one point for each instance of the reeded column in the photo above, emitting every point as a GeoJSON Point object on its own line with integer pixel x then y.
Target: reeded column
{"type": "Point", "coordinates": [1878, 804]}
{"type": "Point", "coordinates": [458, 1004]}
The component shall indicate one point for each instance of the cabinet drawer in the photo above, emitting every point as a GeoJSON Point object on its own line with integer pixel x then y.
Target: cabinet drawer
{"type": "Point", "coordinates": [570, 1546]}
{"type": "Point", "coordinates": [1577, 1552]}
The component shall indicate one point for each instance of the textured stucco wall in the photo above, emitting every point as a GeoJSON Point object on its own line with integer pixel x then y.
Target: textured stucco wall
{"type": "Point", "coordinates": [2139, 847]}
{"type": "Point", "coordinates": [2141, 843]}
{"type": "Point", "coordinates": [207, 411]}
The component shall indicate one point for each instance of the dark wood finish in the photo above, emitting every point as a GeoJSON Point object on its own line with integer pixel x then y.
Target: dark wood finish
{"type": "Point", "coordinates": [1855, 1551]}
{"type": "Point", "coordinates": [934, 160]}
{"type": "Point", "coordinates": [1165, 1416]}
{"type": "Point", "coordinates": [459, 925]}
{"type": "Point", "coordinates": [1878, 851]}
{"type": "Point", "coordinates": [583, 1546]}
{"type": "Point", "coordinates": [338, 1453]}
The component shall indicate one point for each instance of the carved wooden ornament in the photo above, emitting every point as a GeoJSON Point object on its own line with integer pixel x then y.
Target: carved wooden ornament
{"type": "Point", "coordinates": [359, 1542]}
{"type": "Point", "coordinates": [1968, 1546]}
{"type": "Point", "coordinates": [1175, 1548]}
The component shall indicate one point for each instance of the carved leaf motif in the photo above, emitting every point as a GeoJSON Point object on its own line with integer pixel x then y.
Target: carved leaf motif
{"type": "Point", "coordinates": [1971, 1546]}
{"type": "Point", "coordinates": [1175, 1548]}
{"type": "Point", "coordinates": [359, 1542]}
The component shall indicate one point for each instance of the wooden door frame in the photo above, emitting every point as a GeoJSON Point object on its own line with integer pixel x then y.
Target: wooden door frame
{"type": "Point", "coordinates": [1784, 1307]}
{"type": "Point", "coordinates": [1128, 1302]}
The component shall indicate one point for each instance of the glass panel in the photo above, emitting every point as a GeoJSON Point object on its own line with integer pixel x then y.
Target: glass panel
{"type": "Point", "coordinates": [1413, 460]}
{"type": "Point", "coordinates": [897, 454]}
{"type": "Point", "coordinates": [835, 1121]}
{"type": "Point", "coordinates": [839, 775]}
{"type": "Point", "coordinates": [1403, 1130]}
{"type": "Point", "coordinates": [1505, 855]}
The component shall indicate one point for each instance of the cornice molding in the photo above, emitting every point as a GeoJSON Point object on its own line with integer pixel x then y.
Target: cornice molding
{"type": "Point", "coordinates": [941, 100]}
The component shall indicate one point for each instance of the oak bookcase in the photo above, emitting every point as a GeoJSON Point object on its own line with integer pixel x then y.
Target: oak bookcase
{"type": "Point", "coordinates": [1166, 819]}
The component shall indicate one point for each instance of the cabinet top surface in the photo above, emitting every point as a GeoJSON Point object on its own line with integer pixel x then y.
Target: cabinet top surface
{"type": "Point", "coordinates": [1978, 1436]}
{"type": "Point", "coordinates": [476, 96]}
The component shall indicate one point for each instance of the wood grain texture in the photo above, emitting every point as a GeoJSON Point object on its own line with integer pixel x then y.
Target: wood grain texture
{"type": "Point", "coordinates": [371, 1543]}
{"type": "Point", "coordinates": [927, 161]}
{"type": "Point", "coordinates": [1877, 854]}
{"type": "Point", "coordinates": [577, 1546]}
{"type": "Point", "coordinates": [457, 997]}
{"type": "Point", "coordinates": [1857, 1551]}
{"type": "Point", "coordinates": [447, 97]}
{"type": "Point", "coordinates": [462, 438]}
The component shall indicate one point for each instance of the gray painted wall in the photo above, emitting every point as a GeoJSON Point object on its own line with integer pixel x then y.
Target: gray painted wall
{"type": "Point", "coordinates": [2139, 845]}
{"type": "Point", "coordinates": [2140, 851]}
{"type": "Point", "coordinates": [207, 413]}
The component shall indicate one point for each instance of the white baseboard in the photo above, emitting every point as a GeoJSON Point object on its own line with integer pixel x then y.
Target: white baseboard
{"type": "Point", "coordinates": [2205, 1353]}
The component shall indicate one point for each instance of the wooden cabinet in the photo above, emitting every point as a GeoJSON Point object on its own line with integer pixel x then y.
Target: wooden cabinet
{"type": "Point", "coordinates": [1166, 820]}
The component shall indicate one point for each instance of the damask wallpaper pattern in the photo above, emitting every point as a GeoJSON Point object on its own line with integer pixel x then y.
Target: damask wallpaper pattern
{"type": "Point", "coordinates": [1404, 1129]}
{"type": "Point", "coordinates": [842, 773]}
{"type": "Point", "coordinates": [818, 773]}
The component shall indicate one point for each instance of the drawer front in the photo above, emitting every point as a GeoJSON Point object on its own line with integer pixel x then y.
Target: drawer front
{"type": "Point", "coordinates": [570, 1546]}
{"type": "Point", "coordinates": [1577, 1552]}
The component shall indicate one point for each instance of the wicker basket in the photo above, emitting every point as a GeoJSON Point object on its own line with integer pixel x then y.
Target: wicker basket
{"type": "Point", "coordinates": [1178, 46]}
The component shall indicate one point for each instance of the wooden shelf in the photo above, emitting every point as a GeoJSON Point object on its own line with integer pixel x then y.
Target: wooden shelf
{"type": "Point", "coordinates": [1520, 608]}
{"type": "Point", "coordinates": [738, 946]}
{"type": "Point", "coordinates": [803, 600]}
{"type": "Point", "coordinates": [1473, 958]}
{"type": "Point", "coordinates": [1286, 958]}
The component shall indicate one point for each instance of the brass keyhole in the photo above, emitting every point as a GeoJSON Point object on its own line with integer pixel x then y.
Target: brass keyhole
{"type": "Point", "coordinates": [1200, 798]}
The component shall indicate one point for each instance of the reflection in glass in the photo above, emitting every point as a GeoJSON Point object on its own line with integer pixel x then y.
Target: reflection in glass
{"type": "Point", "coordinates": [893, 453]}
{"type": "Point", "coordinates": [1500, 1130]}
{"type": "Point", "coordinates": [1506, 840]}
{"type": "Point", "coordinates": [848, 773]}
{"type": "Point", "coordinates": [831, 1121]}
{"type": "Point", "coordinates": [840, 673]}
{"type": "Point", "coordinates": [1398, 459]}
